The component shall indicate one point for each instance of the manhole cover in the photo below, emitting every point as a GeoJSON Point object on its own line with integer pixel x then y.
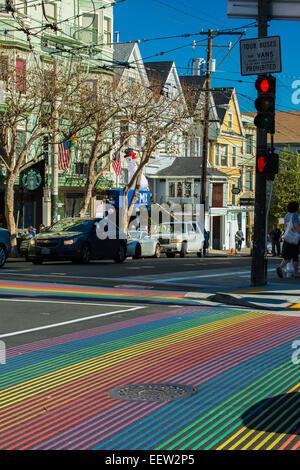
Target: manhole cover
{"type": "Point", "coordinates": [152, 392]}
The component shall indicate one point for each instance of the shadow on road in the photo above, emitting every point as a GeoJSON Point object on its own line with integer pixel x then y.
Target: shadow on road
{"type": "Point", "coordinates": [280, 414]}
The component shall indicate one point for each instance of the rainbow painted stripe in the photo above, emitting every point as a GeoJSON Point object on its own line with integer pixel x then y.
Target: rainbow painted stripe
{"type": "Point", "coordinates": [54, 393]}
{"type": "Point", "coordinates": [30, 289]}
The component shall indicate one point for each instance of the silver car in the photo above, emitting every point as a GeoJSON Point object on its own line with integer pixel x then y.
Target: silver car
{"type": "Point", "coordinates": [140, 245]}
{"type": "Point", "coordinates": [4, 246]}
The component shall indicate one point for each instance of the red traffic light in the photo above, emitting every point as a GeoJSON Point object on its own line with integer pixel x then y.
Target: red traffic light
{"type": "Point", "coordinates": [262, 84]}
{"type": "Point", "coordinates": [266, 84]}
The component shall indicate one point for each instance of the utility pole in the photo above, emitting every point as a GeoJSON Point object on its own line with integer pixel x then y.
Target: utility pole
{"type": "Point", "coordinates": [205, 144]}
{"type": "Point", "coordinates": [206, 119]}
{"type": "Point", "coordinates": [54, 183]}
{"type": "Point", "coordinates": [259, 259]}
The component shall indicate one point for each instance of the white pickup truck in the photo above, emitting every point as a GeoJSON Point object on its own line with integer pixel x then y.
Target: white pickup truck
{"type": "Point", "coordinates": [180, 237]}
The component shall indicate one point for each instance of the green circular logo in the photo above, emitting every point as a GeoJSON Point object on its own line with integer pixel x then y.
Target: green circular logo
{"type": "Point", "coordinates": [32, 179]}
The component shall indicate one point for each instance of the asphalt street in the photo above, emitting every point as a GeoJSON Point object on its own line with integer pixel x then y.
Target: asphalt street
{"type": "Point", "coordinates": [72, 334]}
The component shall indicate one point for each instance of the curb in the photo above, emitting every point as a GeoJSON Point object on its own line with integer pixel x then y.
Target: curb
{"type": "Point", "coordinates": [228, 299]}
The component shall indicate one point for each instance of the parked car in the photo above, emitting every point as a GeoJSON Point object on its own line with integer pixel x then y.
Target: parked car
{"type": "Point", "coordinates": [180, 237]}
{"type": "Point", "coordinates": [141, 244]}
{"type": "Point", "coordinates": [78, 240]}
{"type": "Point", "coordinates": [24, 246]}
{"type": "Point", "coordinates": [4, 246]}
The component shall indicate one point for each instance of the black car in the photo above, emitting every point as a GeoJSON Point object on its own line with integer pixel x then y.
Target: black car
{"type": "Point", "coordinates": [78, 240]}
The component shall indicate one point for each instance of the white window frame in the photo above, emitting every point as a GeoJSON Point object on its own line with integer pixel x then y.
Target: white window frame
{"type": "Point", "coordinates": [107, 40]}
{"type": "Point", "coordinates": [222, 154]}
{"type": "Point", "coordinates": [90, 30]}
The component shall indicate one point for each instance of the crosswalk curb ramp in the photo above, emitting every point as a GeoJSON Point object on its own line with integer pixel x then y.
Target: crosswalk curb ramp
{"type": "Point", "coordinates": [269, 301]}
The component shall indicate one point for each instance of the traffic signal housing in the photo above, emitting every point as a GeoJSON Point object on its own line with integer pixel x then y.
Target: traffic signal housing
{"type": "Point", "coordinates": [265, 103]}
{"type": "Point", "coordinates": [267, 163]}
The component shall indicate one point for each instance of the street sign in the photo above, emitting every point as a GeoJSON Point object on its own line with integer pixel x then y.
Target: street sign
{"type": "Point", "coordinates": [278, 10]}
{"type": "Point", "coordinates": [260, 55]}
{"type": "Point", "coordinates": [247, 201]}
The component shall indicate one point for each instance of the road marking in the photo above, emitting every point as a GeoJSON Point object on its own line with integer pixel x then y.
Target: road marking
{"type": "Point", "coordinates": [105, 314]}
{"type": "Point", "coordinates": [5, 299]}
{"type": "Point", "coordinates": [239, 273]}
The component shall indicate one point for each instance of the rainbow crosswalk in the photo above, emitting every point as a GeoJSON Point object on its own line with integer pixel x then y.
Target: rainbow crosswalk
{"type": "Point", "coordinates": [54, 392]}
{"type": "Point", "coordinates": [61, 290]}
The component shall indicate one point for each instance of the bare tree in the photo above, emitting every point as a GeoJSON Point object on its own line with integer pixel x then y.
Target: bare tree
{"type": "Point", "coordinates": [29, 96]}
{"type": "Point", "coordinates": [160, 119]}
{"type": "Point", "coordinates": [114, 111]}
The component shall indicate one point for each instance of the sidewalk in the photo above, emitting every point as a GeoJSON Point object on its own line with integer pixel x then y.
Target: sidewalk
{"type": "Point", "coordinates": [278, 295]}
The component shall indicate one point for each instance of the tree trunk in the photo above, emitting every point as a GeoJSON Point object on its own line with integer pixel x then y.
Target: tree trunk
{"type": "Point", "coordinates": [87, 197]}
{"type": "Point", "coordinates": [9, 212]}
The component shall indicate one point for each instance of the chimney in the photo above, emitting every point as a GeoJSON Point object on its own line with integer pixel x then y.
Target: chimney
{"type": "Point", "coordinates": [117, 36]}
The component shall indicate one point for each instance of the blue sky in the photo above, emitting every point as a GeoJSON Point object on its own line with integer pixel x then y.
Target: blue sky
{"type": "Point", "coordinates": [150, 19]}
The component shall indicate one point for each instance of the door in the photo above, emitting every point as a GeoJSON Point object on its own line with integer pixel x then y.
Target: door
{"type": "Point", "coordinates": [216, 232]}
{"type": "Point", "coordinates": [192, 244]}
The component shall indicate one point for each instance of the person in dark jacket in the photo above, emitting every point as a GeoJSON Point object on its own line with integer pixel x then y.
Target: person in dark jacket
{"type": "Point", "coordinates": [275, 237]}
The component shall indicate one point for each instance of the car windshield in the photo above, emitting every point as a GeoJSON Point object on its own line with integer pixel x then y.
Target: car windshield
{"type": "Point", "coordinates": [172, 227]}
{"type": "Point", "coordinates": [138, 235]}
{"type": "Point", "coordinates": [72, 225]}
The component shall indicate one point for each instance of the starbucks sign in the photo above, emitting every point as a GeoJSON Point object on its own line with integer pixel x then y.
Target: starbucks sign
{"type": "Point", "coordinates": [32, 179]}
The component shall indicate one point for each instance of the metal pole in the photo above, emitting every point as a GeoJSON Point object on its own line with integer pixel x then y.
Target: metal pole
{"type": "Point", "coordinates": [54, 185]}
{"type": "Point", "coordinates": [206, 121]}
{"type": "Point", "coordinates": [259, 258]}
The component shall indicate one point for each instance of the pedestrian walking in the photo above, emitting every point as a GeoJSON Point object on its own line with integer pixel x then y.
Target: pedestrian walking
{"type": "Point", "coordinates": [239, 238]}
{"type": "Point", "coordinates": [275, 237]}
{"type": "Point", "coordinates": [206, 242]}
{"type": "Point", "coordinates": [291, 237]}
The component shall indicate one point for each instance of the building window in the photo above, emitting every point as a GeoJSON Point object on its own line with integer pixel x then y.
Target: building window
{"type": "Point", "coordinates": [249, 143]}
{"type": "Point", "coordinates": [51, 12]}
{"type": "Point", "coordinates": [107, 30]}
{"type": "Point", "coordinates": [233, 156]}
{"type": "Point", "coordinates": [187, 189]}
{"type": "Point", "coordinates": [172, 189]}
{"type": "Point", "coordinates": [124, 129]}
{"type": "Point", "coordinates": [249, 180]}
{"type": "Point", "coordinates": [230, 121]}
{"type": "Point", "coordinates": [20, 75]}
{"type": "Point", "coordinates": [224, 155]}
{"type": "Point", "coordinates": [3, 68]}
{"type": "Point", "coordinates": [89, 28]}
{"type": "Point", "coordinates": [139, 136]}
{"type": "Point", "coordinates": [180, 189]}
{"type": "Point", "coordinates": [217, 155]}
{"type": "Point", "coordinates": [90, 85]}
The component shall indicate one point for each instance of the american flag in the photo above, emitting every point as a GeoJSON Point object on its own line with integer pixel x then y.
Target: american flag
{"type": "Point", "coordinates": [116, 163]}
{"type": "Point", "coordinates": [64, 155]}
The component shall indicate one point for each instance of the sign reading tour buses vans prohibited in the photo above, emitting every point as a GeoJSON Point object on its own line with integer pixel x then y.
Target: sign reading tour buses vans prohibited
{"type": "Point", "coordinates": [260, 55]}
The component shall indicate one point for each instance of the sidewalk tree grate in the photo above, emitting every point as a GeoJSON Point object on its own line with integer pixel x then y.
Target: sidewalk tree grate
{"type": "Point", "coordinates": [152, 392]}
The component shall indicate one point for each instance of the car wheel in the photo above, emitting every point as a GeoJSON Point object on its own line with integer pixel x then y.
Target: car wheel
{"type": "Point", "coordinates": [199, 254]}
{"type": "Point", "coordinates": [3, 256]}
{"type": "Point", "coordinates": [27, 258]}
{"type": "Point", "coordinates": [170, 255]}
{"type": "Point", "coordinates": [37, 261]}
{"type": "Point", "coordinates": [85, 254]}
{"type": "Point", "coordinates": [157, 252]}
{"type": "Point", "coordinates": [183, 250]}
{"type": "Point", "coordinates": [138, 251]}
{"type": "Point", "coordinates": [121, 254]}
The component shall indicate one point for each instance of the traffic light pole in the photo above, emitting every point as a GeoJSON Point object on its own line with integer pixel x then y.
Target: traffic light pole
{"type": "Point", "coordinates": [259, 259]}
